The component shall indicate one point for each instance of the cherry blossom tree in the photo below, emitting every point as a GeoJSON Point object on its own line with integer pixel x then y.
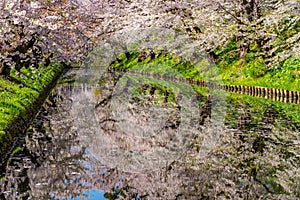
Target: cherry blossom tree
{"type": "Point", "coordinates": [36, 32]}
{"type": "Point", "coordinates": [259, 22]}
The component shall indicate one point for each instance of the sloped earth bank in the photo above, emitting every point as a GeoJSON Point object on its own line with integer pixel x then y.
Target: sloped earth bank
{"type": "Point", "coordinates": [252, 152]}
{"type": "Point", "coordinates": [21, 96]}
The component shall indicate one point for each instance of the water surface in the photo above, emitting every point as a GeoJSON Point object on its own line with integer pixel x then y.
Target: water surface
{"type": "Point", "coordinates": [130, 137]}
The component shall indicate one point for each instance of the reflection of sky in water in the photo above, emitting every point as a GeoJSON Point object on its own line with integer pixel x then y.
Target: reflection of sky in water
{"type": "Point", "coordinates": [93, 193]}
{"type": "Point", "coordinates": [89, 195]}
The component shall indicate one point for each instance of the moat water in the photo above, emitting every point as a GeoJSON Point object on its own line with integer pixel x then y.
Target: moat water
{"type": "Point", "coordinates": [131, 137]}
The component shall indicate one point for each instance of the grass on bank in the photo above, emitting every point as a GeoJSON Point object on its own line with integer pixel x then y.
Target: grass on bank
{"type": "Point", "coordinates": [16, 99]}
{"type": "Point", "coordinates": [167, 63]}
{"type": "Point", "coordinates": [252, 69]}
{"type": "Point", "coordinates": [229, 68]}
{"type": "Point", "coordinates": [253, 72]}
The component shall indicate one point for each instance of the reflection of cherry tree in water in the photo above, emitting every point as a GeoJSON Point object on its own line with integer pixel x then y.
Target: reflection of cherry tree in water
{"type": "Point", "coordinates": [146, 123]}
{"type": "Point", "coordinates": [140, 114]}
{"type": "Point", "coordinates": [56, 164]}
{"type": "Point", "coordinates": [164, 181]}
{"type": "Point", "coordinates": [251, 160]}
{"type": "Point", "coordinates": [241, 163]}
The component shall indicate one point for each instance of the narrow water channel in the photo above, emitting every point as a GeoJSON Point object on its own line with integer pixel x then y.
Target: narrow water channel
{"type": "Point", "coordinates": [134, 137]}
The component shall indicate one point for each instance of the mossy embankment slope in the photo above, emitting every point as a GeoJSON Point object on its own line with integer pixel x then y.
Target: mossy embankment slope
{"type": "Point", "coordinates": [169, 64]}
{"type": "Point", "coordinates": [253, 70]}
{"type": "Point", "coordinates": [20, 99]}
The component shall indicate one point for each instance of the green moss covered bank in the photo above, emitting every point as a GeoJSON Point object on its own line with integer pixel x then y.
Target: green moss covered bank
{"type": "Point", "coordinates": [20, 99]}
